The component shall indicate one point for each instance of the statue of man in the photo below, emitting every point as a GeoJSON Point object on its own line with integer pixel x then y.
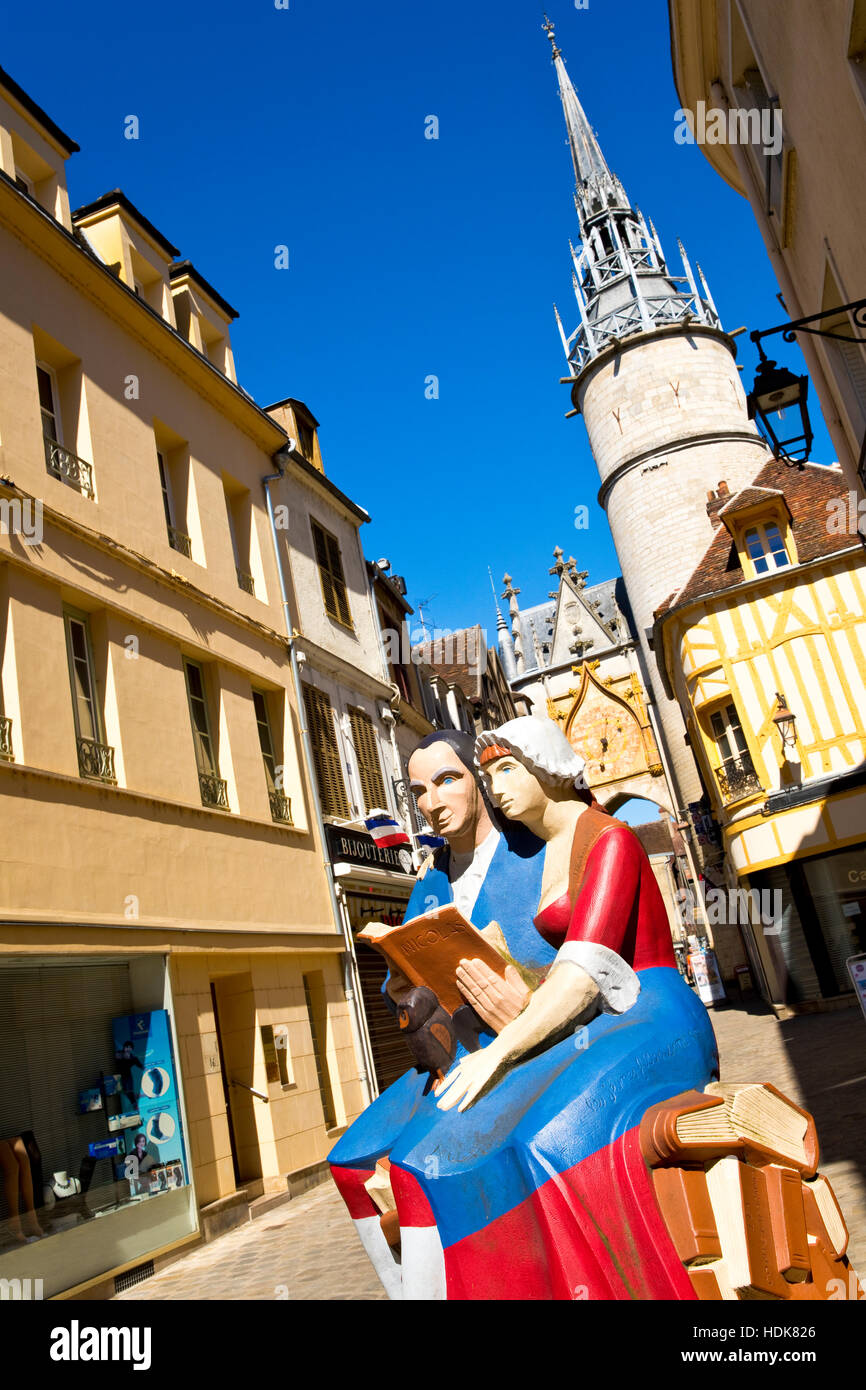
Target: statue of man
{"type": "Point", "coordinates": [491, 868]}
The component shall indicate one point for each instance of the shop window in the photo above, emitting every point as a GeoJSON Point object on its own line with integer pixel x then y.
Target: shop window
{"type": "Point", "coordinates": [333, 581]}
{"type": "Point", "coordinates": [95, 756]}
{"type": "Point", "coordinates": [317, 1009]}
{"type": "Point", "coordinates": [766, 547]}
{"type": "Point", "coordinates": [281, 806]}
{"type": "Point", "coordinates": [91, 1120]}
{"type": "Point", "coordinates": [214, 790]}
{"type": "Point", "coordinates": [364, 740]}
{"type": "Point", "coordinates": [326, 753]}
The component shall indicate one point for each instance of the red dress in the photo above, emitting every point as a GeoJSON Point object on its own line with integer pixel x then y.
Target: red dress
{"type": "Point", "coordinates": [619, 905]}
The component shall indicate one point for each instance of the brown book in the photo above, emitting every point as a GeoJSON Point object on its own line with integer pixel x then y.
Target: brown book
{"type": "Point", "coordinates": [661, 1138]}
{"type": "Point", "coordinates": [788, 1219]}
{"type": "Point", "coordinates": [741, 1206]}
{"type": "Point", "coordinates": [824, 1219]}
{"type": "Point", "coordinates": [428, 949]}
{"type": "Point", "coordinates": [710, 1282]}
{"type": "Point", "coordinates": [685, 1202]}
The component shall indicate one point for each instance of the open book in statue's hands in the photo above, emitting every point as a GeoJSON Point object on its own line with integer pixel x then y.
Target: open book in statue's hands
{"type": "Point", "coordinates": [427, 951]}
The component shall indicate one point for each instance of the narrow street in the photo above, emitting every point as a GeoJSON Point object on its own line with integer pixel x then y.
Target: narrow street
{"type": "Point", "coordinates": [308, 1250]}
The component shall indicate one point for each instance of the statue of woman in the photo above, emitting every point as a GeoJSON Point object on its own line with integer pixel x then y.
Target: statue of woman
{"type": "Point", "coordinates": [525, 1159]}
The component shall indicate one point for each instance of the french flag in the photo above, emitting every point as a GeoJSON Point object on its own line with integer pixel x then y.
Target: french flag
{"type": "Point", "coordinates": [385, 830]}
{"type": "Point", "coordinates": [427, 840]}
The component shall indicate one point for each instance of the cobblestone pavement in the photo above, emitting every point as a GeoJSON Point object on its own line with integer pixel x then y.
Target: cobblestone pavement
{"type": "Point", "coordinates": [307, 1249]}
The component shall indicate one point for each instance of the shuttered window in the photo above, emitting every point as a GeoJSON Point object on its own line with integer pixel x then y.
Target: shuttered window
{"type": "Point", "coordinates": [364, 739]}
{"type": "Point", "coordinates": [330, 564]}
{"type": "Point", "coordinates": [326, 753]}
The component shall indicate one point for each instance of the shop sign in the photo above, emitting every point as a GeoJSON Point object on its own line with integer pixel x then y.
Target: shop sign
{"type": "Point", "coordinates": [706, 976]}
{"type": "Point", "coordinates": [354, 847]}
{"type": "Point", "coordinates": [857, 971]}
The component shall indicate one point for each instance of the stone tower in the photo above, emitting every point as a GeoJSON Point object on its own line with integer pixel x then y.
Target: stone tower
{"type": "Point", "coordinates": [653, 374]}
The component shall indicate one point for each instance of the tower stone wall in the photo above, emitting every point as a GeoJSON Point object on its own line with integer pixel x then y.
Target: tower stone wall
{"type": "Point", "coordinates": [666, 418]}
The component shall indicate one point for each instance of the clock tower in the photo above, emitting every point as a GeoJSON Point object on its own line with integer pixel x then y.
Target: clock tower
{"type": "Point", "coordinates": [653, 374]}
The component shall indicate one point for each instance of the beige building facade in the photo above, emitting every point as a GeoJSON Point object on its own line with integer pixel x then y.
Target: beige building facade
{"type": "Point", "coordinates": [162, 859]}
{"type": "Point", "coordinates": [804, 65]}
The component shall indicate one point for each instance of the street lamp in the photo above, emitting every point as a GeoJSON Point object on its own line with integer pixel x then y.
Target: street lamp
{"type": "Point", "coordinates": [778, 392]}
{"type": "Point", "coordinates": [777, 389]}
{"type": "Point", "coordinates": [785, 722]}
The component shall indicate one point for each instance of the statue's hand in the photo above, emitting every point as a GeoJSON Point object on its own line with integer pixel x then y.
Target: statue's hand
{"type": "Point", "coordinates": [495, 1000]}
{"type": "Point", "coordinates": [473, 1074]}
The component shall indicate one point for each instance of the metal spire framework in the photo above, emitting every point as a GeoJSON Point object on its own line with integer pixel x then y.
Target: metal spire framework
{"type": "Point", "coordinates": [621, 280]}
{"type": "Point", "coordinates": [504, 640]}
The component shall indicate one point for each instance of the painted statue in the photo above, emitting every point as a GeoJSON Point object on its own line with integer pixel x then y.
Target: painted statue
{"type": "Point", "coordinates": [547, 1162]}
{"type": "Point", "coordinates": [492, 869]}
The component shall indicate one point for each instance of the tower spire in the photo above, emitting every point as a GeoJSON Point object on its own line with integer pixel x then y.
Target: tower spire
{"type": "Point", "coordinates": [621, 280]}
{"type": "Point", "coordinates": [504, 640]}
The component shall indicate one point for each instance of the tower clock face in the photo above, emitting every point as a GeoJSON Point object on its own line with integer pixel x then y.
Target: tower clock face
{"type": "Point", "coordinates": [607, 738]}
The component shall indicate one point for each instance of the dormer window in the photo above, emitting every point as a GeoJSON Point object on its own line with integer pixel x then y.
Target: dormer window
{"type": "Point", "coordinates": [766, 547]}
{"type": "Point", "coordinates": [305, 439]}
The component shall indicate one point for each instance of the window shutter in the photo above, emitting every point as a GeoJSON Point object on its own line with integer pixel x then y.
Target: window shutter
{"type": "Point", "coordinates": [321, 544]}
{"type": "Point", "coordinates": [326, 753]}
{"type": "Point", "coordinates": [364, 739]}
{"type": "Point", "coordinates": [330, 565]}
{"type": "Point", "coordinates": [338, 581]}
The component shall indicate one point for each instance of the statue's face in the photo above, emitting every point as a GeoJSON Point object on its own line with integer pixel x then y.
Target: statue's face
{"type": "Point", "coordinates": [446, 792]}
{"type": "Point", "coordinates": [514, 789]}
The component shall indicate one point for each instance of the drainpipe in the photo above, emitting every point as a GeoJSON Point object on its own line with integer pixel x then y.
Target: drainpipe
{"type": "Point", "coordinates": [351, 987]}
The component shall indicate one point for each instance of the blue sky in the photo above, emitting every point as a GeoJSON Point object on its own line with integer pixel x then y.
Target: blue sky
{"type": "Point", "coordinates": [408, 257]}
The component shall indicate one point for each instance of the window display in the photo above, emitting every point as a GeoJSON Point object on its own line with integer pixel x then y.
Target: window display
{"type": "Point", "coordinates": [92, 1145]}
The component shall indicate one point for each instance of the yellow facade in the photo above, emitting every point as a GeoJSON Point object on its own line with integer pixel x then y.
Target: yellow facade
{"type": "Point", "coordinates": [798, 632]}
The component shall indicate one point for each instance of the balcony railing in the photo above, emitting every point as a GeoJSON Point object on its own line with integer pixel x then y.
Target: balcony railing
{"type": "Point", "coordinates": [281, 807]}
{"type": "Point", "coordinates": [737, 778]}
{"type": "Point", "coordinates": [96, 760]}
{"type": "Point", "coordinates": [6, 739]}
{"type": "Point", "coordinates": [68, 467]}
{"type": "Point", "coordinates": [180, 542]}
{"type": "Point", "coordinates": [246, 581]}
{"type": "Point", "coordinates": [214, 791]}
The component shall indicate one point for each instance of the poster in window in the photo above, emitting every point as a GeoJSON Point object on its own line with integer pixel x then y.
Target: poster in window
{"type": "Point", "coordinates": [155, 1157]}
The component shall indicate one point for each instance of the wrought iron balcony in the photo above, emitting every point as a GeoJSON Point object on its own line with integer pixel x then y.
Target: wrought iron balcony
{"type": "Point", "coordinates": [214, 791]}
{"type": "Point", "coordinates": [180, 542]}
{"type": "Point", "coordinates": [96, 760]}
{"type": "Point", "coordinates": [68, 467]}
{"type": "Point", "coordinates": [737, 778]}
{"type": "Point", "coordinates": [281, 807]}
{"type": "Point", "coordinates": [246, 581]}
{"type": "Point", "coordinates": [6, 739]}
